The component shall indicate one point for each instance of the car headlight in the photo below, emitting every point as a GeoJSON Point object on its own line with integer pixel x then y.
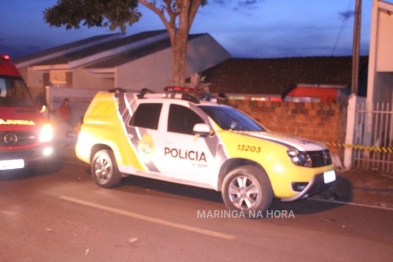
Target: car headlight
{"type": "Point", "coordinates": [46, 133]}
{"type": "Point", "coordinates": [299, 158]}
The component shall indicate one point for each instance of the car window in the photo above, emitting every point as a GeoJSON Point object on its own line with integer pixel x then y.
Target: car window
{"type": "Point", "coordinates": [146, 115]}
{"type": "Point", "coordinates": [229, 118]}
{"type": "Point", "coordinates": [182, 119]}
{"type": "Point", "coordinates": [13, 93]}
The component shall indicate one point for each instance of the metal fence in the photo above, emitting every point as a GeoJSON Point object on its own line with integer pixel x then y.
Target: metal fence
{"type": "Point", "coordinates": [374, 131]}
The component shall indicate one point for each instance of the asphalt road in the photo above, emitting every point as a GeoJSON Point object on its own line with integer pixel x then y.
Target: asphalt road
{"type": "Point", "coordinates": [63, 216]}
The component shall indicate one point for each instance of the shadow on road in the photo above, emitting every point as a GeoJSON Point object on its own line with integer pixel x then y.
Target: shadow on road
{"type": "Point", "coordinates": [172, 188]}
{"type": "Point", "coordinates": [341, 190]}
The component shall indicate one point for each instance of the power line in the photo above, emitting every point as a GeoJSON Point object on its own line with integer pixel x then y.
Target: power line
{"type": "Point", "coordinates": [341, 28]}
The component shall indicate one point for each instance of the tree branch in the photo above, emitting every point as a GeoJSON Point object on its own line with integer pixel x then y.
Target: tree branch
{"type": "Point", "coordinates": [172, 13]}
{"type": "Point", "coordinates": [193, 10]}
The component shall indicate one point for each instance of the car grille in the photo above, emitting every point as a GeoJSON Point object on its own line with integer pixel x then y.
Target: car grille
{"type": "Point", "coordinates": [320, 158]}
{"type": "Point", "coordinates": [23, 138]}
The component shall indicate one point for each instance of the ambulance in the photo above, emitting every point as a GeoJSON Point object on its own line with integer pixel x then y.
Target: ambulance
{"type": "Point", "coordinates": [188, 137]}
{"type": "Point", "coordinates": [25, 134]}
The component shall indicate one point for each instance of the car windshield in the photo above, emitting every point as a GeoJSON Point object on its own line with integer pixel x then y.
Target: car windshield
{"type": "Point", "coordinates": [229, 118]}
{"type": "Point", "coordinates": [13, 93]}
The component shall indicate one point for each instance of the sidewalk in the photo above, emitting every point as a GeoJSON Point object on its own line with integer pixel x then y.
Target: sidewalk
{"type": "Point", "coordinates": [361, 187]}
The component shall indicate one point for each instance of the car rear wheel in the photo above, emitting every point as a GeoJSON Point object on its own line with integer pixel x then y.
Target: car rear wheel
{"type": "Point", "coordinates": [247, 189]}
{"type": "Point", "coordinates": [104, 169]}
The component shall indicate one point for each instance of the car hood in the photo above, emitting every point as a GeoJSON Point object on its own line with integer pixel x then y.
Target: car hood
{"type": "Point", "coordinates": [289, 141]}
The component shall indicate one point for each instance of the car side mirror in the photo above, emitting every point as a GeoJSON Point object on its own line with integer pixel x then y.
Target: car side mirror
{"type": "Point", "coordinates": [202, 130]}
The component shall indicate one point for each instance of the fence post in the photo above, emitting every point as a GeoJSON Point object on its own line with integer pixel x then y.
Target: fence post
{"type": "Point", "coordinates": [47, 96]}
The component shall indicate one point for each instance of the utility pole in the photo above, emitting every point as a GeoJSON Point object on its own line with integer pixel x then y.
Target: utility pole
{"type": "Point", "coordinates": [351, 110]}
{"type": "Point", "coordinates": [356, 47]}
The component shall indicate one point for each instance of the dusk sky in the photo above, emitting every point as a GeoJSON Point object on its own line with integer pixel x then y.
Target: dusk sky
{"type": "Point", "coordinates": [246, 28]}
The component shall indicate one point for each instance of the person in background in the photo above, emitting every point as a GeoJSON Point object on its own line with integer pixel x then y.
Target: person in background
{"type": "Point", "coordinates": [64, 111]}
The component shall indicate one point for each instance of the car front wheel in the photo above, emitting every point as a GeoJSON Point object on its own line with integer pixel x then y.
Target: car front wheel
{"type": "Point", "coordinates": [104, 169]}
{"type": "Point", "coordinates": [247, 189]}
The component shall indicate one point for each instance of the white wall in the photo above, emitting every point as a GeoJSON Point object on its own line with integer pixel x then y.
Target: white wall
{"type": "Point", "coordinates": [34, 80]}
{"type": "Point", "coordinates": [380, 67]}
{"type": "Point", "coordinates": [204, 52]}
{"type": "Point", "coordinates": [384, 42]}
{"type": "Point", "coordinates": [82, 80]}
{"type": "Point", "coordinates": [155, 71]}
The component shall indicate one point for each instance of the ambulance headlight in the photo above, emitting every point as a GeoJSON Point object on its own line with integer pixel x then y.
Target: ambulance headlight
{"type": "Point", "coordinates": [46, 133]}
{"type": "Point", "coordinates": [299, 158]}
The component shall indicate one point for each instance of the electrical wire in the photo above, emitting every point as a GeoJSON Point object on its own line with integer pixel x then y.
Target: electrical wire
{"type": "Point", "coordinates": [341, 28]}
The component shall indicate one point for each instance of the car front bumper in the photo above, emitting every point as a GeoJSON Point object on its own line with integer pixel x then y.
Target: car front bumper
{"type": "Point", "coordinates": [318, 183]}
{"type": "Point", "coordinates": [19, 159]}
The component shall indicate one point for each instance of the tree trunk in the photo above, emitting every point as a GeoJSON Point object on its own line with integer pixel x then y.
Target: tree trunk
{"type": "Point", "coordinates": [179, 49]}
{"type": "Point", "coordinates": [179, 54]}
{"type": "Point", "coordinates": [178, 36]}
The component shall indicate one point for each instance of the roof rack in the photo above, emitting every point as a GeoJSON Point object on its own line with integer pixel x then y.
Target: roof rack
{"type": "Point", "coordinates": [117, 90]}
{"type": "Point", "coordinates": [191, 94]}
{"type": "Point", "coordinates": [221, 98]}
{"type": "Point", "coordinates": [144, 91]}
{"type": "Point", "coordinates": [186, 89]}
{"type": "Point", "coordinates": [190, 98]}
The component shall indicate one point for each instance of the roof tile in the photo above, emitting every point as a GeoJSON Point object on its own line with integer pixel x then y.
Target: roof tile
{"type": "Point", "coordinates": [277, 75]}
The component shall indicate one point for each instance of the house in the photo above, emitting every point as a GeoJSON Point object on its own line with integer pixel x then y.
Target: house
{"type": "Point", "coordinates": [370, 119]}
{"type": "Point", "coordinates": [134, 62]}
{"type": "Point", "coordinates": [144, 60]}
{"type": "Point", "coordinates": [380, 80]}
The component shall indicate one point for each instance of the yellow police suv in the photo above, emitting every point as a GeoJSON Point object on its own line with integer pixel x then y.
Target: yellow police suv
{"type": "Point", "coordinates": [188, 138]}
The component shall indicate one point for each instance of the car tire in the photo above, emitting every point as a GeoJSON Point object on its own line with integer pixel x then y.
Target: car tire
{"type": "Point", "coordinates": [104, 169]}
{"type": "Point", "coordinates": [247, 189]}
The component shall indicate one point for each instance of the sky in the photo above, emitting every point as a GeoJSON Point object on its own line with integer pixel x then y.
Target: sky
{"type": "Point", "coordinates": [245, 28]}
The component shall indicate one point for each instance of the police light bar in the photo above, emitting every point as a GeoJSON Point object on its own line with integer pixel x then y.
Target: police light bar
{"type": "Point", "coordinates": [199, 93]}
{"type": "Point", "coordinates": [186, 89]}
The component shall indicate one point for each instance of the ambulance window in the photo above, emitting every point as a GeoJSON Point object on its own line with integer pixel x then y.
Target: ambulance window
{"type": "Point", "coordinates": [182, 119]}
{"type": "Point", "coordinates": [21, 94]}
{"type": "Point", "coordinates": [3, 88]}
{"type": "Point", "coordinates": [147, 116]}
{"type": "Point", "coordinates": [13, 93]}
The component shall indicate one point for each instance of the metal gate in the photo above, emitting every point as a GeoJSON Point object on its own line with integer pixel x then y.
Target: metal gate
{"type": "Point", "coordinates": [374, 134]}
